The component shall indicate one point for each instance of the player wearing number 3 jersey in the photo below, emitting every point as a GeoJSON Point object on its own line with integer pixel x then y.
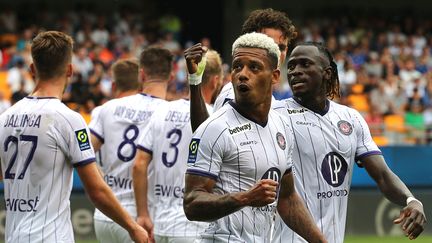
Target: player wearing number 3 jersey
{"type": "Point", "coordinates": [164, 145]}
{"type": "Point", "coordinates": [118, 126]}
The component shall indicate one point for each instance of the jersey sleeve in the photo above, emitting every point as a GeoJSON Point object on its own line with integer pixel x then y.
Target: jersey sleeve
{"type": "Point", "coordinates": [206, 151]}
{"type": "Point", "coordinates": [365, 144]}
{"type": "Point", "coordinates": [146, 140]}
{"type": "Point", "coordinates": [78, 147]}
{"type": "Point", "coordinates": [96, 124]}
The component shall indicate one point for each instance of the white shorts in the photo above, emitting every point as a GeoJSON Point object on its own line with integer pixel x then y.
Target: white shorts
{"type": "Point", "coordinates": [173, 239]}
{"type": "Point", "coordinates": [110, 232]}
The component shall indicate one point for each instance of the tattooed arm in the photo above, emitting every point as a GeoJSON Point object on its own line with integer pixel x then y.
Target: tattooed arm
{"type": "Point", "coordinates": [200, 204]}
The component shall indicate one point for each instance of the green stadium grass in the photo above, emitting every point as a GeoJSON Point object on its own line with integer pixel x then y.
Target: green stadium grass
{"type": "Point", "coordinates": [355, 239]}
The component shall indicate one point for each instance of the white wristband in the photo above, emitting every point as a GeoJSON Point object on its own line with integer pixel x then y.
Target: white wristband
{"type": "Point", "coordinates": [410, 199]}
{"type": "Point", "coordinates": [194, 79]}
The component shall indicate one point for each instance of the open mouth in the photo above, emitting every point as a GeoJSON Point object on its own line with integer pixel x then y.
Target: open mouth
{"type": "Point", "coordinates": [243, 88]}
{"type": "Point", "coordinates": [297, 83]}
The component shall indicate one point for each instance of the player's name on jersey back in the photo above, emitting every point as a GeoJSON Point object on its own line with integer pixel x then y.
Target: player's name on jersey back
{"type": "Point", "coordinates": [23, 120]}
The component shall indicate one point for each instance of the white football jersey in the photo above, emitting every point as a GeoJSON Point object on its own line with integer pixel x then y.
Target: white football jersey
{"type": "Point", "coordinates": [226, 94]}
{"type": "Point", "coordinates": [326, 149]}
{"type": "Point", "coordinates": [167, 138]}
{"type": "Point", "coordinates": [42, 141]}
{"type": "Point", "coordinates": [118, 125]}
{"type": "Point", "coordinates": [237, 152]}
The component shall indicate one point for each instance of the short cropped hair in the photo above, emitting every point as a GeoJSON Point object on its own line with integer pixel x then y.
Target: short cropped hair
{"type": "Point", "coordinates": [269, 18]}
{"type": "Point", "coordinates": [157, 62]}
{"type": "Point", "coordinates": [259, 40]}
{"type": "Point", "coordinates": [51, 52]}
{"type": "Point", "coordinates": [125, 74]}
{"type": "Point", "coordinates": [213, 66]}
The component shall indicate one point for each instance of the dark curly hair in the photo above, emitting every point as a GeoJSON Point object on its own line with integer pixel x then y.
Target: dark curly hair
{"type": "Point", "coordinates": [269, 18]}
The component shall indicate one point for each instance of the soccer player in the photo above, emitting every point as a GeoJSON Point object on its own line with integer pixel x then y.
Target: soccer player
{"type": "Point", "coordinates": [119, 123]}
{"type": "Point", "coordinates": [42, 141]}
{"type": "Point", "coordinates": [165, 145]}
{"type": "Point", "coordinates": [273, 23]}
{"type": "Point", "coordinates": [239, 161]}
{"type": "Point", "coordinates": [329, 139]}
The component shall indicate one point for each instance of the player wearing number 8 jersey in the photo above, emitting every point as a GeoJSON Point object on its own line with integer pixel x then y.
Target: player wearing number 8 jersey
{"type": "Point", "coordinates": [42, 141]}
{"type": "Point", "coordinates": [118, 126]}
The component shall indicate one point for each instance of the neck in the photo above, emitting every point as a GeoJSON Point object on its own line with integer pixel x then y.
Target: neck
{"type": "Point", "coordinates": [254, 112]}
{"type": "Point", "coordinates": [207, 94]}
{"type": "Point", "coordinates": [125, 93]}
{"type": "Point", "coordinates": [316, 104]}
{"type": "Point", "coordinates": [155, 88]}
{"type": "Point", "coordinates": [49, 88]}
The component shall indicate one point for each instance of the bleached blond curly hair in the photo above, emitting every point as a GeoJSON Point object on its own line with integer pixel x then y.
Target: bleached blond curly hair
{"type": "Point", "coordinates": [258, 40]}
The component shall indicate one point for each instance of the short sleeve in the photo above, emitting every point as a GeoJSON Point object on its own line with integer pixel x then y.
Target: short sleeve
{"type": "Point", "coordinates": [365, 144]}
{"type": "Point", "coordinates": [78, 148]}
{"type": "Point", "coordinates": [146, 141]}
{"type": "Point", "coordinates": [205, 151]}
{"type": "Point", "coordinates": [96, 123]}
{"type": "Point", "coordinates": [226, 94]}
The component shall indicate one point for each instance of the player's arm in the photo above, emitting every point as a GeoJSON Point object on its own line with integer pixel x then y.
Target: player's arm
{"type": "Point", "coordinates": [96, 142]}
{"type": "Point", "coordinates": [294, 213]}
{"type": "Point", "coordinates": [412, 217]}
{"type": "Point", "coordinates": [198, 110]}
{"type": "Point", "coordinates": [139, 175]}
{"type": "Point", "coordinates": [200, 204]}
{"type": "Point", "coordinates": [103, 199]}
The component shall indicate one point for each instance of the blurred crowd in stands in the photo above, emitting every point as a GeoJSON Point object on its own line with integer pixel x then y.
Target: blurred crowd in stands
{"type": "Point", "coordinates": [384, 65]}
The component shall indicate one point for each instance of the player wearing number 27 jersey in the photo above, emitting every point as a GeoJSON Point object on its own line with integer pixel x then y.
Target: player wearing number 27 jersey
{"type": "Point", "coordinates": [41, 142]}
{"type": "Point", "coordinates": [118, 125]}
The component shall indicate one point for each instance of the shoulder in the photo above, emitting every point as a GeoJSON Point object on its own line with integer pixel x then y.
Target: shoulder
{"type": "Point", "coordinates": [216, 122]}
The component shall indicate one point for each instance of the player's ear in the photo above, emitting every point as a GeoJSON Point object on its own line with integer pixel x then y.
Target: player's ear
{"type": "Point", "coordinates": [275, 76]}
{"type": "Point", "coordinates": [32, 70]}
{"type": "Point", "coordinates": [142, 75]}
{"type": "Point", "coordinates": [327, 72]}
{"type": "Point", "coordinates": [69, 70]}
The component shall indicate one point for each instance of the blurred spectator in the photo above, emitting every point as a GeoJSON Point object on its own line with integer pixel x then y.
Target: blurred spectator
{"type": "Point", "coordinates": [19, 94]}
{"type": "Point", "coordinates": [82, 63]}
{"type": "Point", "coordinates": [4, 103]}
{"type": "Point", "coordinates": [380, 100]}
{"type": "Point", "coordinates": [19, 77]}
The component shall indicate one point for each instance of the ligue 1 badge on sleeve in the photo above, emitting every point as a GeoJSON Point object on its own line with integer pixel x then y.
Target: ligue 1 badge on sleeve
{"type": "Point", "coordinates": [83, 139]}
{"type": "Point", "coordinates": [345, 127]}
{"type": "Point", "coordinates": [193, 150]}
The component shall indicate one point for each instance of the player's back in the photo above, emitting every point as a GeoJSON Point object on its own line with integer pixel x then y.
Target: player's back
{"type": "Point", "coordinates": [118, 125]}
{"type": "Point", "coordinates": [167, 138]}
{"type": "Point", "coordinates": [42, 140]}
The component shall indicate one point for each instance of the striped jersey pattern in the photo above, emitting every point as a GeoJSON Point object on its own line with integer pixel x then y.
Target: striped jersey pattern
{"type": "Point", "coordinates": [326, 148]}
{"type": "Point", "coordinates": [42, 140]}
{"type": "Point", "coordinates": [119, 124]}
{"type": "Point", "coordinates": [237, 152]}
{"type": "Point", "coordinates": [167, 139]}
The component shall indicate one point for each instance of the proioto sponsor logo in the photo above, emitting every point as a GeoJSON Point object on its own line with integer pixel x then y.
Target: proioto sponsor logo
{"type": "Point", "coordinates": [334, 169]}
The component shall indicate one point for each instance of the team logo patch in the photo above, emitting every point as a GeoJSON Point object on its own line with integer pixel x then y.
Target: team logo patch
{"type": "Point", "coordinates": [345, 127]}
{"type": "Point", "coordinates": [281, 140]}
{"type": "Point", "coordinates": [193, 150]}
{"type": "Point", "coordinates": [83, 139]}
{"type": "Point", "coordinates": [334, 169]}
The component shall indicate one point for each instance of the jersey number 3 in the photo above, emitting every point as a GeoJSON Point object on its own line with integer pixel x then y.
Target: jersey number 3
{"type": "Point", "coordinates": [12, 139]}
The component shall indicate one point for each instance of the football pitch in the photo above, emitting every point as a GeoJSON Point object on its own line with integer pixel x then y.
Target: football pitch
{"type": "Point", "coordinates": [355, 239]}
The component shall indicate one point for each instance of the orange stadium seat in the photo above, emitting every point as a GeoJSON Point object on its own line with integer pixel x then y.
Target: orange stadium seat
{"type": "Point", "coordinates": [4, 86]}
